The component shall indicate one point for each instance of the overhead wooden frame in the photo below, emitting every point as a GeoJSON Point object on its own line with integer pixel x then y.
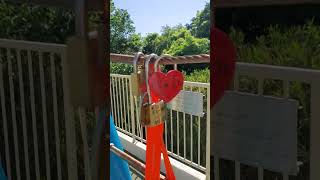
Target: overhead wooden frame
{"type": "Point", "coordinates": [93, 5]}
{"type": "Point", "coordinates": [246, 3]}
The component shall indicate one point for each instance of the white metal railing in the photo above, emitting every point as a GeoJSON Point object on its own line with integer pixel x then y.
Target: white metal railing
{"type": "Point", "coordinates": [186, 136]}
{"type": "Point", "coordinates": [286, 75]}
{"type": "Point", "coordinates": [38, 125]}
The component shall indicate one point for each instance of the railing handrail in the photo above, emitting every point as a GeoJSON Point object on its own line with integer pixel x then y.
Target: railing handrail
{"type": "Point", "coordinates": [188, 59]}
{"type": "Point", "coordinates": [34, 46]}
{"type": "Point", "coordinates": [279, 72]}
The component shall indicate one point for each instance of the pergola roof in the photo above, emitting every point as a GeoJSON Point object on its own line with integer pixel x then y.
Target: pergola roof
{"type": "Point", "coordinates": [243, 3]}
{"type": "Point", "coordinates": [70, 4]}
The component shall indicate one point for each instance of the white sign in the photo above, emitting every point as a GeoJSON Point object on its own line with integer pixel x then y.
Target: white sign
{"type": "Point", "coordinates": [256, 130]}
{"type": "Point", "coordinates": [188, 102]}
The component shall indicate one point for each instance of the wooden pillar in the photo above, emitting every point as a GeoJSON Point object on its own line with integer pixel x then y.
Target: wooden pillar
{"type": "Point", "coordinates": [105, 139]}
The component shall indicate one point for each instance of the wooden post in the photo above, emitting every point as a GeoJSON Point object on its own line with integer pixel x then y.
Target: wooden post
{"type": "Point", "coordinates": [81, 18]}
{"type": "Point", "coordinates": [104, 148]}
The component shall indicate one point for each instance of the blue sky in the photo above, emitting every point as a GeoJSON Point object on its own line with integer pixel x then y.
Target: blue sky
{"type": "Point", "coordinates": [150, 15]}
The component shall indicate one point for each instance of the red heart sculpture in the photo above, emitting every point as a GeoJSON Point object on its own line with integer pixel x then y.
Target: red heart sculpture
{"type": "Point", "coordinates": [166, 86]}
{"type": "Point", "coordinates": [223, 55]}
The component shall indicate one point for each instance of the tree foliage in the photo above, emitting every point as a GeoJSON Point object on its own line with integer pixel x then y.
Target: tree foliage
{"type": "Point", "coordinates": [200, 25]}
{"type": "Point", "coordinates": [122, 32]}
{"type": "Point", "coordinates": [35, 23]}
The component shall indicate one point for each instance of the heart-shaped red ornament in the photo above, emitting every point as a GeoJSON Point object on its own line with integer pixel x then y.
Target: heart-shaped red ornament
{"type": "Point", "coordinates": [166, 86]}
{"type": "Point", "coordinates": [223, 56]}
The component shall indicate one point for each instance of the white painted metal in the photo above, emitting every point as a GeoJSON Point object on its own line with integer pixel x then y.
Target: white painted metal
{"type": "Point", "coordinates": [5, 123]}
{"type": "Point", "coordinates": [260, 173]}
{"type": "Point", "coordinates": [133, 125]}
{"type": "Point", "coordinates": [208, 167]}
{"type": "Point", "coordinates": [178, 133]}
{"type": "Point", "coordinates": [10, 61]}
{"type": "Point", "coordinates": [199, 136]}
{"type": "Point", "coordinates": [13, 113]}
{"type": "Point", "coordinates": [33, 116]}
{"type": "Point", "coordinates": [128, 107]}
{"type": "Point", "coordinates": [44, 116]}
{"type": "Point", "coordinates": [237, 170]}
{"type": "Point", "coordinates": [23, 116]}
{"type": "Point", "coordinates": [72, 163]}
{"type": "Point", "coordinates": [284, 74]}
{"type": "Point", "coordinates": [174, 119]}
{"type": "Point", "coordinates": [55, 115]}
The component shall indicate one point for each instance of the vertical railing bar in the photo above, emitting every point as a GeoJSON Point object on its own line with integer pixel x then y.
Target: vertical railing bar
{"type": "Point", "coordinates": [184, 132]}
{"type": "Point", "coordinates": [128, 108]}
{"type": "Point", "coordinates": [184, 135]}
{"type": "Point", "coordinates": [13, 114]}
{"type": "Point", "coordinates": [166, 134]}
{"type": "Point", "coordinates": [23, 116]}
{"type": "Point", "coordinates": [260, 86]}
{"type": "Point", "coordinates": [114, 114]}
{"type": "Point", "coordinates": [191, 130]}
{"type": "Point", "coordinates": [208, 135]}
{"type": "Point", "coordinates": [111, 98]}
{"type": "Point", "coordinates": [44, 114]}
{"type": "Point", "coordinates": [137, 118]}
{"type": "Point", "coordinates": [55, 115]}
{"type": "Point", "coordinates": [34, 118]}
{"type": "Point", "coordinates": [199, 134]}
{"type": "Point", "coordinates": [115, 100]}
{"type": "Point", "coordinates": [171, 130]}
{"type": "Point", "coordinates": [286, 88]}
{"type": "Point", "coordinates": [216, 168]}
{"type": "Point", "coordinates": [117, 104]}
{"type": "Point", "coordinates": [124, 105]}
{"type": "Point", "coordinates": [5, 123]}
{"type": "Point", "coordinates": [260, 173]}
{"type": "Point", "coordinates": [285, 176]}
{"type": "Point", "coordinates": [237, 170]}
{"type": "Point", "coordinates": [133, 125]}
{"type": "Point", "coordinates": [236, 82]}
{"type": "Point", "coordinates": [83, 127]}
{"type": "Point", "coordinates": [178, 133]}
{"type": "Point", "coordinates": [120, 104]}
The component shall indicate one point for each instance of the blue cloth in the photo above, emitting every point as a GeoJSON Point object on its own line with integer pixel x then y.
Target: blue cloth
{"type": "Point", "coordinates": [2, 174]}
{"type": "Point", "coordinates": [119, 169]}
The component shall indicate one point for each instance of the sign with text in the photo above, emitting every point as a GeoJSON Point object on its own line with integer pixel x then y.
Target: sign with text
{"type": "Point", "coordinates": [188, 102]}
{"type": "Point", "coordinates": [256, 130]}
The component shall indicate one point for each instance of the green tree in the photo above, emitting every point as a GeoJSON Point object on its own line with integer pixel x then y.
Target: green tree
{"type": "Point", "coordinates": [150, 43]}
{"type": "Point", "coordinates": [122, 32]}
{"type": "Point", "coordinates": [187, 45]}
{"type": "Point", "coordinates": [200, 25]}
{"type": "Point", "coordinates": [35, 23]}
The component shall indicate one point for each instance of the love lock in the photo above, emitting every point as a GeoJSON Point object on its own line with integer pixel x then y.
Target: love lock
{"type": "Point", "coordinates": [137, 75]}
{"type": "Point", "coordinates": [151, 114]}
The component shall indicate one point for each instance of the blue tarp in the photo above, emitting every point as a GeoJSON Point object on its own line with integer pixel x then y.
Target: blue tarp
{"type": "Point", "coordinates": [2, 174]}
{"type": "Point", "coordinates": [119, 169]}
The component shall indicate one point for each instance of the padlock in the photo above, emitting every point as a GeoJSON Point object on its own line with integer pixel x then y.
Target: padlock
{"type": "Point", "coordinates": [153, 114]}
{"type": "Point", "coordinates": [135, 76]}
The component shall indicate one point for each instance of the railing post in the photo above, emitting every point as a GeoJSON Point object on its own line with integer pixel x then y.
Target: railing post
{"type": "Point", "coordinates": [70, 124]}
{"type": "Point", "coordinates": [208, 136]}
{"type": "Point", "coordinates": [133, 123]}
{"type": "Point", "coordinates": [314, 131]}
